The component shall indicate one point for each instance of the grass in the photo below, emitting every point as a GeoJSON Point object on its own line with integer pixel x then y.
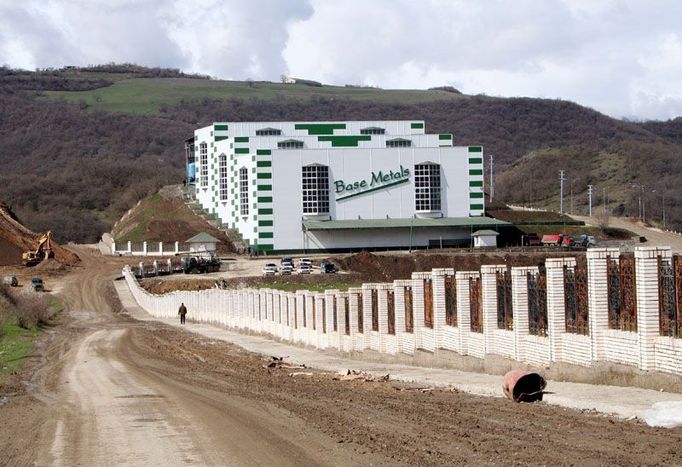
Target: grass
{"type": "Point", "coordinates": [15, 346]}
{"type": "Point", "coordinates": [148, 209]}
{"type": "Point", "coordinates": [147, 95]}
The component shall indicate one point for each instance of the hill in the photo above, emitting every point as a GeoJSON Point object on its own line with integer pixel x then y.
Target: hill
{"type": "Point", "coordinates": [81, 146]}
{"type": "Point", "coordinates": [164, 217]}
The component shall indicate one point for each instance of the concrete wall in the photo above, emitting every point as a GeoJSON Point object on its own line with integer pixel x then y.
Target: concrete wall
{"type": "Point", "coordinates": [319, 319]}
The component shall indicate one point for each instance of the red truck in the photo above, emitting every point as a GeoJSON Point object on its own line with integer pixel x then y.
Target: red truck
{"type": "Point", "coordinates": [557, 240]}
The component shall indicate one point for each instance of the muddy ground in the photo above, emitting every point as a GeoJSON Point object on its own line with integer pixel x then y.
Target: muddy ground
{"type": "Point", "coordinates": [102, 388]}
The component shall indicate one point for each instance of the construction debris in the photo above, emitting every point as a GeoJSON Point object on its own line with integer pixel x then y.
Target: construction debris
{"type": "Point", "coordinates": [300, 373]}
{"type": "Point", "coordinates": [428, 389]}
{"type": "Point", "coordinates": [351, 375]}
{"type": "Point", "coordinates": [523, 386]}
{"type": "Point", "coordinates": [279, 362]}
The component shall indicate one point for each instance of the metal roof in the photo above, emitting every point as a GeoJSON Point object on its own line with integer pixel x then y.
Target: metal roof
{"type": "Point", "coordinates": [473, 222]}
{"type": "Point", "coordinates": [203, 237]}
{"type": "Point", "coordinates": [484, 232]}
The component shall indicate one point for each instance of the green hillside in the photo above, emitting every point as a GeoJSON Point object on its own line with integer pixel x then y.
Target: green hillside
{"type": "Point", "coordinates": [147, 95]}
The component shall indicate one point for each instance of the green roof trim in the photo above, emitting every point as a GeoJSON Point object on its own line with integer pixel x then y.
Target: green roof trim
{"type": "Point", "coordinates": [480, 233]}
{"type": "Point", "coordinates": [320, 128]}
{"type": "Point", "coordinates": [344, 141]}
{"type": "Point", "coordinates": [404, 223]}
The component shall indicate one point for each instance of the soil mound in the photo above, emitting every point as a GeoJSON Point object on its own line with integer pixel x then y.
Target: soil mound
{"type": "Point", "coordinates": [15, 238]}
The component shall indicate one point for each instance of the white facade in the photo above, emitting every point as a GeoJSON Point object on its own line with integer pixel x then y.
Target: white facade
{"type": "Point", "coordinates": [251, 177]}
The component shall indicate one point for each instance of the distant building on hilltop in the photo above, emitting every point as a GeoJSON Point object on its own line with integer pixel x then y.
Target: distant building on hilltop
{"type": "Point", "coordinates": [338, 186]}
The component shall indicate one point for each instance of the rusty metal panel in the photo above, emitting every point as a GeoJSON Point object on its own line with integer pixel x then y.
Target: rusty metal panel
{"type": "Point", "coordinates": [375, 310]}
{"type": "Point", "coordinates": [346, 311]}
{"type": "Point", "coordinates": [475, 304]}
{"type": "Point", "coordinates": [314, 314]}
{"type": "Point", "coordinates": [505, 313]}
{"type": "Point", "coordinates": [428, 303]}
{"type": "Point", "coordinates": [450, 301]}
{"type": "Point", "coordinates": [622, 295]}
{"type": "Point", "coordinates": [575, 300]}
{"type": "Point", "coordinates": [361, 313]}
{"type": "Point", "coordinates": [335, 315]}
{"type": "Point", "coordinates": [391, 312]}
{"type": "Point", "coordinates": [670, 296]}
{"type": "Point", "coordinates": [409, 314]}
{"type": "Point", "coordinates": [537, 303]}
{"type": "Point", "coordinates": [324, 316]}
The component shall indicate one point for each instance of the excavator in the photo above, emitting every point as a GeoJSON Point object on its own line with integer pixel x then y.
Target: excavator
{"type": "Point", "coordinates": [42, 251]}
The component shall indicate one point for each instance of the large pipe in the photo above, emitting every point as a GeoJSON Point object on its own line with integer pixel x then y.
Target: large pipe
{"type": "Point", "coordinates": [523, 386]}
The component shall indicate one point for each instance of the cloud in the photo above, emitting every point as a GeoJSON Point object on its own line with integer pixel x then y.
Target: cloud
{"type": "Point", "coordinates": [622, 57]}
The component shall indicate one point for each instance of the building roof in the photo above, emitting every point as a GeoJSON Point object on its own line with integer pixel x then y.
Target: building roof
{"type": "Point", "coordinates": [203, 237]}
{"type": "Point", "coordinates": [473, 222]}
{"type": "Point", "coordinates": [484, 233]}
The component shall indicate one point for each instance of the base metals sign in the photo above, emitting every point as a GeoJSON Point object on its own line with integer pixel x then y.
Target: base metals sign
{"type": "Point", "coordinates": [377, 181]}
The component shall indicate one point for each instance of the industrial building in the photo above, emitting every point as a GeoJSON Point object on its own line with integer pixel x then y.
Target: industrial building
{"type": "Point", "coordinates": [338, 186]}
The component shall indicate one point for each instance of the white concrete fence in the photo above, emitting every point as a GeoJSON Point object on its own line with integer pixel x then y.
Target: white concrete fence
{"type": "Point", "coordinates": [149, 248]}
{"type": "Point", "coordinates": [475, 313]}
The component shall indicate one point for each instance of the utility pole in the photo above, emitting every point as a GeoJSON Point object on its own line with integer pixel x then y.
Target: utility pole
{"type": "Point", "coordinates": [492, 184]}
{"type": "Point", "coordinates": [589, 198]}
{"type": "Point", "coordinates": [561, 193]}
{"type": "Point", "coordinates": [604, 191]}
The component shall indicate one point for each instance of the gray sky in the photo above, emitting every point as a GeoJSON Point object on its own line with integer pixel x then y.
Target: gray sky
{"type": "Point", "coordinates": [621, 57]}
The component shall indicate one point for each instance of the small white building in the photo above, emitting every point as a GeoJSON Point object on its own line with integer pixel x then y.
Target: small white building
{"type": "Point", "coordinates": [485, 238]}
{"type": "Point", "coordinates": [202, 242]}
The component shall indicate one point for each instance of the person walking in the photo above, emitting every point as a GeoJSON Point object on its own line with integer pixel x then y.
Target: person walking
{"type": "Point", "coordinates": [182, 311]}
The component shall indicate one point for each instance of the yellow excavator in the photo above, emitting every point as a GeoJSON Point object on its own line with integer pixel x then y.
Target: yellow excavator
{"type": "Point", "coordinates": [42, 251]}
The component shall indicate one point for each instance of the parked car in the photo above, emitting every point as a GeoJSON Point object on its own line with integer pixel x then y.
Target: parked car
{"type": "Point", "coordinates": [270, 269]}
{"type": "Point", "coordinates": [12, 281]}
{"type": "Point", "coordinates": [327, 268]}
{"type": "Point", "coordinates": [37, 284]}
{"type": "Point", "coordinates": [305, 261]}
{"type": "Point", "coordinates": [305, 268]}
{"type": "Point", "coordinates": [286, 260]}
{"type": "Point", "coordinates": [286, 269]}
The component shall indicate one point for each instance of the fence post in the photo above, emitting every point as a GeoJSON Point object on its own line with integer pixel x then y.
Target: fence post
{"type": "Point", "coordinates": [598, 297]}
{"type": "Point", "coordinates": [648, 319]}
{"type": "Point", "coordinates": [520, 305]}
{"type": "Point", "coordinates": [556, 311]}
{"type": "Point", "coordinates": [177, 247]}
{"type": "Point", "coordinates": [489, 293]}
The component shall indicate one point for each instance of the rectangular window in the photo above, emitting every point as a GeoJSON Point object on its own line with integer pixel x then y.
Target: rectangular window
{"type": "Point", "coordinates": [290, 144]}
{"type": "Point", "coordinates": [222, 177]}
{"type": "Point", "coordinates": [398, 143]}
{"type": "Point", "coordinates": [244, 191]}
{"type": "Point", "coordinates": [203, 162]}
{"type": "Point", "coordinates": [268, 132]}
{"type": "Point", "coordinates": [427, 187]}
{"type": "Point", "coordinates": [315, 189]}
{"type": "Point", "coordinates": [372, 131]}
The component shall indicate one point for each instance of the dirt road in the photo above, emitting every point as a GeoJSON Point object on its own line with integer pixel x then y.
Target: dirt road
{"type": "Point", "coordinates": [106, 389]}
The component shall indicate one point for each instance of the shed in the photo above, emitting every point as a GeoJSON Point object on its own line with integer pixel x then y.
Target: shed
{"type": "Point", "coordinates": [485, 238]}
{"type": "Point", "coordinates": [202, 242]}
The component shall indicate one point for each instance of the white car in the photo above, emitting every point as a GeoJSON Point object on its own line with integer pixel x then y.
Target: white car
{"type": "Point", "coordinates": [286, 269]}
{"type": "Point", "coordinates": [305, 268]}
{"type": "Point", "coordinates": [270, 269]}
{"type": "Point", "coordinates": [305, 262]}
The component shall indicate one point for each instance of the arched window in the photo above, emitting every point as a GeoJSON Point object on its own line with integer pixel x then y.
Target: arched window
{"type": "Point", "coordinates": [244, 191]}
{"type": "Point", "coordinates": [315, 188]}
{"type": "Point", "coordinates": [427, 187]}
{"type": "Point", "coordinates": [203, 162]}
{"type": "Point", "coordinates": [222, 177]}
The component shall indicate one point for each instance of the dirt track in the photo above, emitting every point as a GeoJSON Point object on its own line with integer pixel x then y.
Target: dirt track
{"type": "Point", "coordinates": [111, 390]}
